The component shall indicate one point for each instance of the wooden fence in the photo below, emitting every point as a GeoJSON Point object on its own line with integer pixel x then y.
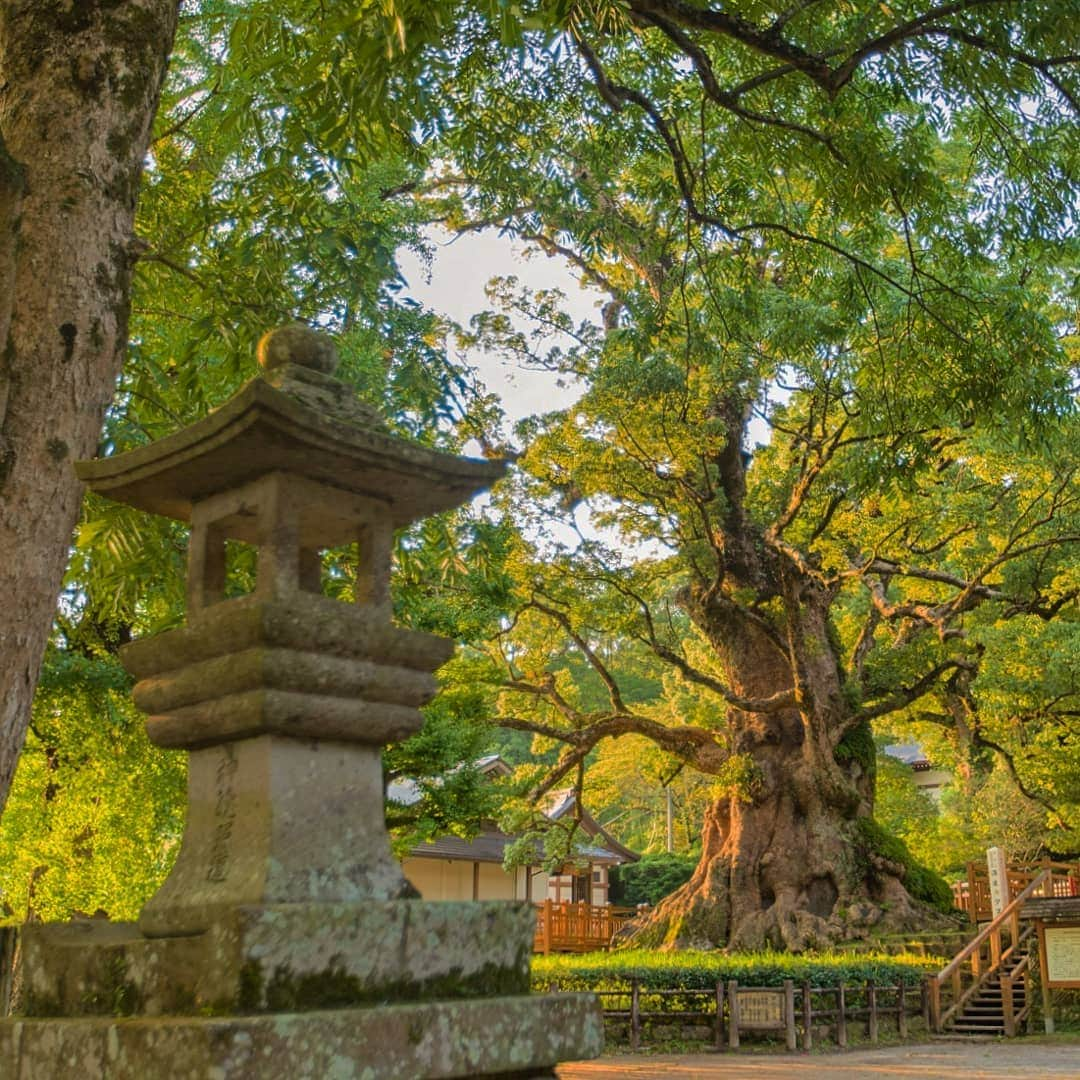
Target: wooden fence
{"type": "Point", "coordinates": [972, 895]}
{"type": "Point", "coordinates": [580, 927]}
{"type": "Point", "coordinates": [9, 948]}
{"type": "Point", "coordinates": [729, 1010]}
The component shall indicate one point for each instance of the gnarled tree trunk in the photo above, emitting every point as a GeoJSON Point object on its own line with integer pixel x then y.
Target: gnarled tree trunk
{"type": "Point", "coordinates": [79, 87]}
{"type": "Point", "coordinates": [784, 860]}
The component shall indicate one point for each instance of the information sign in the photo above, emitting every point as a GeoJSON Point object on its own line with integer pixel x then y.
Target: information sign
{"type": "Point", "coordinates": [1062, 956]}
{"type": "Point", "coordinates": [761, 1008]}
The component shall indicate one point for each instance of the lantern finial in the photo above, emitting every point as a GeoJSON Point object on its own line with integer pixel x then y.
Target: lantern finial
{"type": "Point", "coordinates": [297, 344]}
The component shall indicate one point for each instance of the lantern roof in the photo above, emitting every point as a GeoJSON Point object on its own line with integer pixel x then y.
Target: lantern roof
{"type": "Point", "coordinates": [295, 419]}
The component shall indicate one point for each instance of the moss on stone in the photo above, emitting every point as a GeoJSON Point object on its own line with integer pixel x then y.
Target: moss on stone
{"type": "Point", "coordinates": [334, 987]}
{"type": "Point", "coordinates": [250, 992]}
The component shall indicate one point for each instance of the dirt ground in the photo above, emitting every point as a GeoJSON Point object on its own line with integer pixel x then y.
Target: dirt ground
{"type": "Point", "coordinates": [1024, 1059]}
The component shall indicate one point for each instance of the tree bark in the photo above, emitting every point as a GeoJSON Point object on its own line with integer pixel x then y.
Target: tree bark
{"type": "Point", "coordinates": [783, 861]}
{"type": "Point", "coordinates": [79, 87]}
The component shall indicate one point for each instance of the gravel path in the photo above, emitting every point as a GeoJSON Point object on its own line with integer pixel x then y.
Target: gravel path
{"type": "Point", "coordinates": [1024, 1059]}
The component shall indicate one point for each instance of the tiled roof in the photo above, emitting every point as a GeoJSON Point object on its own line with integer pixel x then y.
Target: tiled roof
{"type": "Point", "coordinates": [909, 754]}
{"type": "Point", "coordinates": [490, 845]}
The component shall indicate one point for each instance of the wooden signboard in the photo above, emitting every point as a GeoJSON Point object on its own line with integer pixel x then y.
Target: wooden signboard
{"type": "Point", "coordinates": [1059, 949]}
{"type": "Point", "coordinates": [761, 1009]}
{"type": "Point", "coordinates": [997, 869]}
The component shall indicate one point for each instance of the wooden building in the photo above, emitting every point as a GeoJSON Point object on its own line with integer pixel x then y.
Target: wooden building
{"type": "Point", "coordinates": [451, 868]}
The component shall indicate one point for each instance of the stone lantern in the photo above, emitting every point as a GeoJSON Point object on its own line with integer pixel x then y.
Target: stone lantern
{"type": "Point", "coordinates": [286, 941]}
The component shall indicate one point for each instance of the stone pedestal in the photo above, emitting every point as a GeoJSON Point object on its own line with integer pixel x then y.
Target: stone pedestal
{"type": "Point", "coordinates": [286, 942]}
{"type": "Point", "coordinates": [511, 1038]}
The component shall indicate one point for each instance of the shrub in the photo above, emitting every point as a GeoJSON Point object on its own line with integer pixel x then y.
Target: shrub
{"type": "Point", "coordinates": [650, 879]}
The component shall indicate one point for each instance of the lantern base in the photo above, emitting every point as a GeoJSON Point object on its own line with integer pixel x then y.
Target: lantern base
{"type": "Point", "coordinates": [512, 1038]}
{"type": "Point", "coordinates": [281, 958]}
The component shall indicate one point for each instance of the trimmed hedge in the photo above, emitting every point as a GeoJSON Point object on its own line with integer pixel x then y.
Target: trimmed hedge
{"type": "Point", "coordinates": [701, 970]}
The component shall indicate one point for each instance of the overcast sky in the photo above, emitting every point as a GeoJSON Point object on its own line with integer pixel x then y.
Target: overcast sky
{"type": "Point", "coordinates": [462, 267]}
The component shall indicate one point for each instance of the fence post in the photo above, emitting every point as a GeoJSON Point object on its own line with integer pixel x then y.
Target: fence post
{"type": "Point", "coordinates": [545, 933]}
{"type": "Point", "coordinates": [635, 1014]}
{"type": "Point", "coordinates": [733, 1014]}
{"type": "Point", "coordinates": [934, 1004]}
{"type": "Point", "coordinates": [8, 946]}
{"type": "Point", "coordinates": [871, 1011]}
{"type": "Point", "coordinates": [719, 1015]}
{"type": "Point", "coordinates": [841, 1017]}
{"type": "Point", "coordinates": [789, 1013]}
{"type": "Point", "coordinates": [807, 1017]}
{"type": "Point", "coordinates": [1007, 1014]}
{"type": "Point", "coordinates": [901, 1009]}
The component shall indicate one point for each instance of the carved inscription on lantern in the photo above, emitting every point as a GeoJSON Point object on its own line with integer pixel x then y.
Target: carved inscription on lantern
{"type": "Point", "coordinates": [224, 814]}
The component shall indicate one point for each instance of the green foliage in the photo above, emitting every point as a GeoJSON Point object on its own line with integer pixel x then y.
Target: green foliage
{"type": "Point", "coordinates": [95, 812]}
{"type": "Point", "coordinates": [858, 745]}
{"type": "Point", "coordinates": [983, 806]}
{"type": "Point", "coordinates": [650, 879]}
{"type": "Point", "coordinates": [921, 883]}
{"type": "Point", "coordinates": [902, 810]}
{"type": "Point", "coordinates": [701, 970]}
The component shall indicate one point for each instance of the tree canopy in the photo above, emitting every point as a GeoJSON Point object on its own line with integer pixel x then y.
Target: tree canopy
{"type": "Point", "coordinates": [854, 224]}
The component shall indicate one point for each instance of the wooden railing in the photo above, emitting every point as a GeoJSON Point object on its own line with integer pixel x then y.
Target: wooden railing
{"type": "Point", "coordinates": [580, 927]}
{"type": "Point", "coordinates": [973, 895]}
{"type": "Point", "coordinates": [726, 1012]}
{"type": "Point", "coordinates": [985, 957]}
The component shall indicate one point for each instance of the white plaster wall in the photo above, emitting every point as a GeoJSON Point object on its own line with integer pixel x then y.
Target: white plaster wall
{"type": "Point", "coordinates": [932, 782]}
{"type": "Point", "coordinates": [440, 879]}
{"type": "Point", "coordinates": [495, 883]}
{"type": "Point", "coordinates": [540, 887]}
{"type": "Point", "coordinates": [426, 877]}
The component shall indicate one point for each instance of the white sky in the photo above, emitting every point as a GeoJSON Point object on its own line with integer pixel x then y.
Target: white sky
{"type": "Point", "coordinates": [461, 269]}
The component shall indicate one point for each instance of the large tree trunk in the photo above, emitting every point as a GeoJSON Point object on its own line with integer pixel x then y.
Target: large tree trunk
{"type": "Point", "coordinates": [79, 87]}
{"type": "Point", "coordinates": [784, 862]}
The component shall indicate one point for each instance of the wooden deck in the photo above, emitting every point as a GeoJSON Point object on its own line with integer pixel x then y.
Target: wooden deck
{"type": "Point", "coordinates": [580, 927]}
{"type": "Point", "coordinates": [973, 895]}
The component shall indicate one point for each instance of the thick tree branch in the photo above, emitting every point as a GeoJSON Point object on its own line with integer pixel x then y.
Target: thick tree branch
{"type": "Point", "coordinates": [696, 746]}
{"type": "Point", "coordinates": [766, 41]}
{"type": "Point", "coordinates": [909, 694]}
